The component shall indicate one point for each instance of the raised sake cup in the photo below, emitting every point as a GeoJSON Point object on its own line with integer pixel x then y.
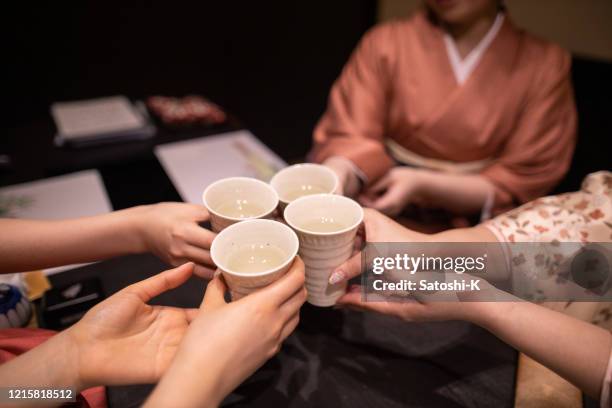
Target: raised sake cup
{"type": "Point", "coordinates": [326, 225]}
{"type": "Point", "coordinates": [236, 199]}
{"type": "Point", "coordinates": [301, 180]}
{"type": "Point", "coordinates": [253, 233]}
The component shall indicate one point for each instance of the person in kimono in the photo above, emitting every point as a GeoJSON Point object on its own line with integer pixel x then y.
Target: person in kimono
{"type": "Point", "coordinates": [454, 108]}
{"type": "Point", "coordinates": [552, 333]}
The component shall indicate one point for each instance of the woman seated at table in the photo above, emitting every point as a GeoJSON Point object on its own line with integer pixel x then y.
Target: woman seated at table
{"type": "Point", "coordinates": [454, 109]}
{"type": "Point", "coordinates": [123, 340]}
{"type": "Point", "coordinates": [554, 339]}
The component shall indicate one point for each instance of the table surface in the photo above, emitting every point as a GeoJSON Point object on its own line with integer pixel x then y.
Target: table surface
{"type": "Point", "coordinates": [334, 358]}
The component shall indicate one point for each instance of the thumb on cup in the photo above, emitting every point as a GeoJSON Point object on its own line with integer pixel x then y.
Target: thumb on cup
{"type": "Point", "coordinates": [347, 270]}
{"type": "Point", "coordinates": [215, 291]}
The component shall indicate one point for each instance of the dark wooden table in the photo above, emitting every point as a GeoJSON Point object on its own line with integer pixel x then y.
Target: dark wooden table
{"type": "Point", "coordinates": [335, 357]}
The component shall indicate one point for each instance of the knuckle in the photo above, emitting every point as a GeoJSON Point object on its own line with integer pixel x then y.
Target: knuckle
{"type": "Point", "coordinates": [178, 232]}
{"type": "Point", "coordinates": [298, 264]}
{"type": "Point", "coordinates": [272, 351]}
{"type": "Point", "coordinates": [175, 252]}
{"type": "Point", "coordinates": [301, 279]}
{"type": "Point", "coordinates": [277, 331]}
{"type": "Point", "coordinates": [296, 321]}
{"type": "Point", "coordinates": [261, 312]}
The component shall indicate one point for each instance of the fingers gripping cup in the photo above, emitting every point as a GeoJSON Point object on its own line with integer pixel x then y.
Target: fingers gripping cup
{"type": "Point", "coordinates": [235, 199]}
{"type": "Point", "coordinates": [253, 254]}
{"type": "Point", "coordinates": [326, 225]}
{"type": "Point", "coordinates": [301, 180]}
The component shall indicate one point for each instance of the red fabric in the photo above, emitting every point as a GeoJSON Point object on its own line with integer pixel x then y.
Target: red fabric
{"type": "Point", "coordinates": [14, 342]}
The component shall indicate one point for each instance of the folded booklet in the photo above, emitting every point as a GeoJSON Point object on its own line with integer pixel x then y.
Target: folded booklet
{"type": "Point", "coordinates": [100, 120]}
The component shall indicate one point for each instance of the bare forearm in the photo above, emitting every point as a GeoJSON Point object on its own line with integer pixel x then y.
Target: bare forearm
{"type": "Point", "coordinates": [478, 233]}
{"type": "Point", "coordinates": [474, 241]}
{"type": "Point", "coordinates": [28, 244]}
{"type": "Point", "coordinates": [472, 234]}
{"type": "Point", "coordinates": [458, 193]}
{"type": "Point", "coordinates": [183, 387]}
{"type": "Point", "coordinates": [53, 364]}
{"type": "Point", "coordinates": [576, 350]}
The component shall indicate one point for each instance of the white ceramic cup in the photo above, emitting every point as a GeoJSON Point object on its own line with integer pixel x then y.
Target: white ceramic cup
{"type": "Point", "coordinates": [326, 225]}
{"type": "Point", "coordinates": [301, 180]}
{"type": "Point", "coordinates": [236, 199]}
{"type": "Point", "coordinates": [232, 241]}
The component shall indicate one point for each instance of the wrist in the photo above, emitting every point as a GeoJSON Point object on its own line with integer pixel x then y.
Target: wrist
{"type": "Point", "coordinates": [136, 227]}
{"type": "Point", "coordinates": [345, 171]}
{"type": "Point", "coordinates": [419, 182]}
{"type": "Point", "coordinates": [487, 314]}
{"type": "Point", "coordinates": [69, 349]}
{"type": "Point", "coordinates": [195, 387]}
{"type": "Point", "coordinates": [211, 386]}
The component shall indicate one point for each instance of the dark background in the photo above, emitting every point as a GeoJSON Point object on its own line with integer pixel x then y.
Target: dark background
{"type": "Point", "coordinates": [270, 64]}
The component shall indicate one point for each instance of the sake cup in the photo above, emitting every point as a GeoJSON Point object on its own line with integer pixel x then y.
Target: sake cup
{"type": "Point", "coordinates": [241, 251]}
{"type": "Point", "coordinates": [236, 199]}
{"type": "Point", "coordinates": [301, 180]}
{"type": "Point", "coordinates": [326, 225]}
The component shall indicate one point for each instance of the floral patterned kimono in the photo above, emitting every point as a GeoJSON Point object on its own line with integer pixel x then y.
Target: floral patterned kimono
{"type": "Point", "coordinates": [581, 217]}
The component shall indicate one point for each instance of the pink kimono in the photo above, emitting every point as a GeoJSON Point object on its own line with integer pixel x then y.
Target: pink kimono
{"type": "Point", "coordinates": [514, 116]}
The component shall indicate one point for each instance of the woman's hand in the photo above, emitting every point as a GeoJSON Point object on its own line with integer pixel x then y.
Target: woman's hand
{"type": "Point", "coordinates": [376, 227]}
{"type": "Point", "coordinates": [348, 181]}
{"type": "Point", "coordinates": [529, 328]}
{"type": "Point", "coordinates": [394, 191]}
{"type": "Point", "coordinates": [456, 193]}
{"type": "Point", "coordinates": [227, 342]}
{"type": "Point", "coordinates": [172, 232]}
{"type": "Point", "coordinates": [123, 340]}
{"type": "Point", "coordinates": [423, 307]}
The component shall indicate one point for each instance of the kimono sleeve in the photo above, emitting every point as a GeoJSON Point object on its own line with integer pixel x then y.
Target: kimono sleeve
{"type": "Point", "coordinates": [539, 152]}
{"type": "Point", "coordinates": [354, 122]}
